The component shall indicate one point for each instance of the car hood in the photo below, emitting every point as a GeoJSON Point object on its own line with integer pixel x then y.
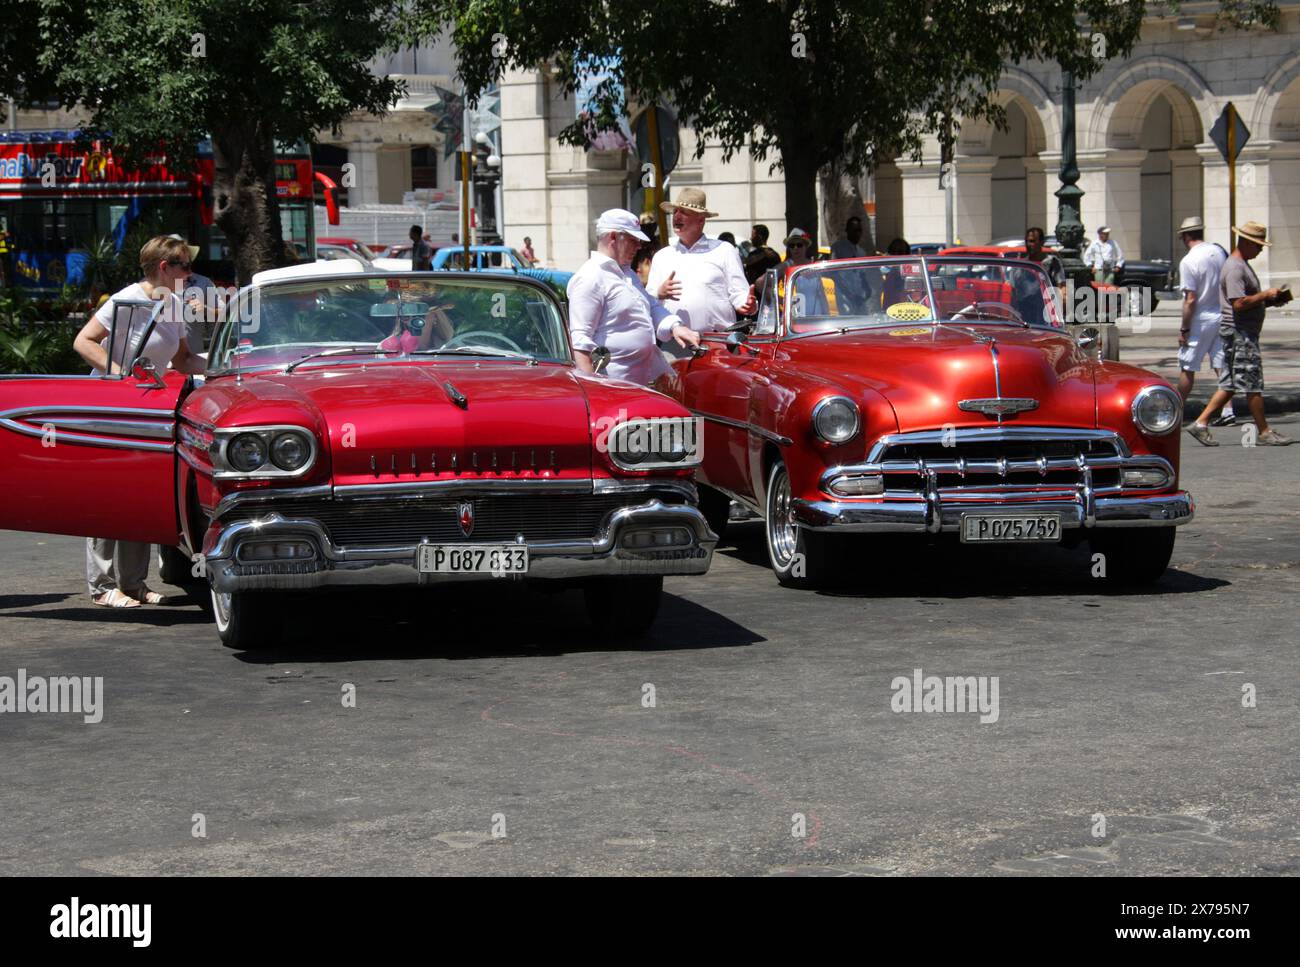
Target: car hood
{"type": "Point", "coordinates": [405, 422]}
{"type": "Point", "coordinates": [926, 371]}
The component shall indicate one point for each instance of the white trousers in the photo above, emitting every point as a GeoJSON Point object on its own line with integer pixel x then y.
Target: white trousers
{"type": "Point", "coordinates": [116, 564]}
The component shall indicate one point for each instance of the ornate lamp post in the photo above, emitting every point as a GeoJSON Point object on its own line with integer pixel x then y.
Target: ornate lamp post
{"type": "Point", "coordinates": [1069, 229]}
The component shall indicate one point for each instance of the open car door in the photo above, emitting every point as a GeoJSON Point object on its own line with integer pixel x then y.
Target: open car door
{"type": "Point", "coordinates": [92, 456]}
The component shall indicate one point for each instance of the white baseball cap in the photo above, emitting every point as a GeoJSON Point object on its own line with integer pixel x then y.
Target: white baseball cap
{"type": "Point", "coordinates": [620, 220]}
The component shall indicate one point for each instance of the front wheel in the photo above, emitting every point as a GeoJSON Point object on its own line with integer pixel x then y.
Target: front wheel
{"type": "Point", "coordinates": [623, 607]}
{"type": "Point", "coordinates": [175, 568]}
{"type": "Point", "coordinates": [248, 621]}
{"type": "Point", "coordinates": [800, 558]}
{"type": "Point", "coordinates": [1133, 556]}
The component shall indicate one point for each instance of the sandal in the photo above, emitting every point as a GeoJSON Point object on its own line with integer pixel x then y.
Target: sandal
{"type": "Point", "coordinates": [116, 599]}
{"type": "Point", "coordinates": [145, 596]}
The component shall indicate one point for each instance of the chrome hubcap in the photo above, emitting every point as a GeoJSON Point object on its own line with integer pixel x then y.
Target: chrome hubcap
{"type": "Point", "coordinates": [221, 609]}
{"type": "Point", "coordinates": [781, 533]}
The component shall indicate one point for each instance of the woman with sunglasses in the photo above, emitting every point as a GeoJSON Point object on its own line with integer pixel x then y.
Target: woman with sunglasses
{"type": "Point", "coordinates": [116, 570]}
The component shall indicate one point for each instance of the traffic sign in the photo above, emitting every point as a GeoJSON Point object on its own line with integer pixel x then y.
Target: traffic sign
{"type": "Point", "coordinates": [1229, 133]}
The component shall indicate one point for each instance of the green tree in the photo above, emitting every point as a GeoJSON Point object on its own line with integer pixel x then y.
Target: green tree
{"type": "Point", "coordinates": [246, 73]}
{"type": "Point", "coordinates": [837, 85]}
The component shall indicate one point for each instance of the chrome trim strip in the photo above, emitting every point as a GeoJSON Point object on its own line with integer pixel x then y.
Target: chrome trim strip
{"type": "Point", "coordinates": [240, 497]}
{"type": "Point", "coordinates": [89, 440]}
{"type": "Point", "coordinates": [439, 488]}
{"type": "Point", "coordinates": [96, 410]}
{"type": "Point", "coordinates": [149, 429]}
{"type": "Point", "coordinates": [615, 485]}
{"type": "Point", "coordinates": [776, 438]}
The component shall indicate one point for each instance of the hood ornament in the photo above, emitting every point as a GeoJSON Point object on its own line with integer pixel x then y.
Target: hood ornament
{"type": "Point", "coordinates": [999, 406]}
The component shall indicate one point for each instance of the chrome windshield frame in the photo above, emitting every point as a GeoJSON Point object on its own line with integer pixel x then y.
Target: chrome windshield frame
{"type": "Point", "coordinates": [787, 330]}
{"type": "Point", "coordinates": [442, 276]}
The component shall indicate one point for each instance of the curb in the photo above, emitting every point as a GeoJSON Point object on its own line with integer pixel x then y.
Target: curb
{"type": "Point", "coordinates": [1283, 401]}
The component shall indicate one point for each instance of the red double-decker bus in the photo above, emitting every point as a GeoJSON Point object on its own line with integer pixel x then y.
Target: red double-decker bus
{"type": "Point", "coordinates": [58, 195]}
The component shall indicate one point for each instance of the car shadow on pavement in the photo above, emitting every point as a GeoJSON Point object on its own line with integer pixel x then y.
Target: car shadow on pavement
{"type": "Point", "coordinates": [479, 621]}
{"type": "Point", "coordinates": [905, 565]}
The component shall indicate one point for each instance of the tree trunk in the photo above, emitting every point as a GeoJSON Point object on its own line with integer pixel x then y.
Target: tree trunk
{"type": "Point", "coordinates": [800, 169]}
{"type": "Point", "coordinates": [841, 198]}
{"type": "Point", "coordinates": [244, 203]}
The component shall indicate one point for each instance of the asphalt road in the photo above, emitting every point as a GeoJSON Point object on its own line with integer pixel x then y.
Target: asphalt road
{"type": "Point", "coordinates": [495, 706]}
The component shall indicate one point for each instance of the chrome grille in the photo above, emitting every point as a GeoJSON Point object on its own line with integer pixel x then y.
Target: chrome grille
{"type": "Point", "coordinates": [992, 464]}
{"type": "Point", "coordinates": [497, 517]}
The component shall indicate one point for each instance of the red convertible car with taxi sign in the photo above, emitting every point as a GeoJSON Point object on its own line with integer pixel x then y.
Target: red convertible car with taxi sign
{"type": "Point", "coordinates": [932, 395]}
{"type": "Point", "coordinates": [364, 428]}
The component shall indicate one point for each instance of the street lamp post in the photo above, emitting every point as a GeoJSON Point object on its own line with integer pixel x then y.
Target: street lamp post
{"type": "Point", "coordinates": [1069, 229]}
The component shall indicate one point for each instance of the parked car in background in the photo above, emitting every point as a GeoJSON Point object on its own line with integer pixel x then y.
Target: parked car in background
{"type": "Point", "coordinates": [362, 429]}
{"type": "Point", "coordinates": [340, 247]}
{"type": "Point", "coordinates": [939, 397]}
{"type": "Point", "coordinates": [497, 258]}
{"type": "Point", "coordinates": [1154, 275]}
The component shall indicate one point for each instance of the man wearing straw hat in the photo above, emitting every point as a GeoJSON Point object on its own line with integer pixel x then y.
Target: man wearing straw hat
{"type": "Point", "coordinates": [1243, 317]}
{"type": "Point", "coordinates": [697, 277]}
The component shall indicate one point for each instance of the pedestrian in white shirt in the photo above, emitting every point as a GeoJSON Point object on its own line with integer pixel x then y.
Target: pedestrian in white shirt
{"type": "Point", "coordinates": [1104, 257]}
{"type": "Point", "coordinates": [1198, 337]}
{"type": "Point", "coordinates": [610, 308]}
{"type": "Point", "coordinates": [116, 570]}
{"type": "Point", "coordinates": [697, 277]}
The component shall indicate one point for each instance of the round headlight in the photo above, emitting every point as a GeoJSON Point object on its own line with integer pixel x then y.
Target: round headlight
{"type": "Point", "coordinates": [290, 451]}
{"type": "Point", "coordinates": [246, 452]}
{"type": "Point", "coordinates": [836, 419]}
{"type": "Point", "coordinates": [1157, 410]}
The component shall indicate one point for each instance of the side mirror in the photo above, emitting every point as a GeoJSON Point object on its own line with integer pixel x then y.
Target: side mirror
{"type": "Point", "coordinates": [1087, 337]}
{"type": "Point", "coordinates": [736, 340]}
{"type": "Point", "coordinates": [599, 359]}
{"type": "Point", "coordinates": [147, 375]}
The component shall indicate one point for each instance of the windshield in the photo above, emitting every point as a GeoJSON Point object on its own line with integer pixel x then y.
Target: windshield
{"type": "Point", "coordinates": [390, 316]}
{"type": "Point", "coordinates": [889, 291]}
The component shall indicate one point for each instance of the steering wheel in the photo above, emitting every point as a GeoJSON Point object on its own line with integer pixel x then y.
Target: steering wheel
{"type": "Point", "coordinates": [1012, 315]}
{"type": "Point", "coordinates": [462, 337]}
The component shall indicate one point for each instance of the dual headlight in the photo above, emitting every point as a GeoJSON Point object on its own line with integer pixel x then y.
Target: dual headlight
{"type": "Point", "coordinates": [270, 451]}
{"type": "Point", "coordinates": [1157, 410]}
{"type": "Point", "coordinates": [836, 419]}
{"type": "Point", "coordinates": [667, 443]}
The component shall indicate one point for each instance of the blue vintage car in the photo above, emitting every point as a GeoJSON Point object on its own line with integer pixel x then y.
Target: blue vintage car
{"type": "Point", "coordinates": [498, 258]}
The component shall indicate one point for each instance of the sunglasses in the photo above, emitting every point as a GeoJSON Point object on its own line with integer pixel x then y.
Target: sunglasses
{"type": "Point", "coordinates": [798, 245]}
{"type": "Point", "coordinates": [184, 265]}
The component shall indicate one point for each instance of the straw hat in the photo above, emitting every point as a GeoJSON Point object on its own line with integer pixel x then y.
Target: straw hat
{"type": "Point", "coordinates": [690, 200]}
{"type": "Point", "coordinates": [1192, 223]}
{"type": "Point", "coordinates": [1253, 232]}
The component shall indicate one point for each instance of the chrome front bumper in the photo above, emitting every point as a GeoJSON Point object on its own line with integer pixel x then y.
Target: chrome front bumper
{"type": "Point", "coordinates": [935, 514]}
{"type": "Point", "coordinates": [605, 555]}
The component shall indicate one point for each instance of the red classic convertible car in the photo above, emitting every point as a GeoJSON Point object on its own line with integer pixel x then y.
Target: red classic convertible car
{"type": "Point", "coordinates": [931, 395]}
{"type": "Point", "coordinates": [363, 428]}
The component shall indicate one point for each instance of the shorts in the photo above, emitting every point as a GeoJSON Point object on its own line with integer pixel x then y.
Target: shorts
{"type": "Point", "coordinates": [1203, 341]}
{"type": "Point", "coordinates": [1243, 370]}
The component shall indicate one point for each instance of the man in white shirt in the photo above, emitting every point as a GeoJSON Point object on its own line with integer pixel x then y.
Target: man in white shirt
{"type": "Point", "coordinates": [1198, 337]}
{"type": "Point", "coordinates": [1104, 257]}
{"type": "Point", "coordinates": [697, 277]}
{"type": "Point", "coordinates": [609, 307]}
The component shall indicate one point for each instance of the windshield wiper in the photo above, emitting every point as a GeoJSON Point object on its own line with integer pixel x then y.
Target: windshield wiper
{"type": "Point", "coordinates": [339, 351]}
{"type": "Point", "coordinates": [473, 351]}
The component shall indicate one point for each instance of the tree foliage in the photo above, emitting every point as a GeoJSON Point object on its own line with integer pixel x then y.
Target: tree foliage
{"type": "Point", "coordinates": [848, 82]}
{"type": "Point", "coordinates": [247, 73]}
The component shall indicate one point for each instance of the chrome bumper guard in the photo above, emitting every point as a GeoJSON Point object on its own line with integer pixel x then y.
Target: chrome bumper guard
{"type": "Point", "coordinates": [935, 513]}
{"type": "Point", "coordinates": [606, 555]}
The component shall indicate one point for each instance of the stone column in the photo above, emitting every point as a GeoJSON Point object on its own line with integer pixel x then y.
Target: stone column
{"type": "Point", "coordinates": [974, 198]}
{"type": "Point", "coordinates": [526, 208]}
{"type": "Point", "coordinates": [365, 156]}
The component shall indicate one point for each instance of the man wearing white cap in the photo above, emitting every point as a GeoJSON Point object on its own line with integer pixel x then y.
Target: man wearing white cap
{"type": "Point", "coordinates": [609, 307]}
{"type": "Point", "coordinates": [1198, 337]}
{"type": "Point", "coordinates": [1104, 257]}
{"type": "Point", "coordinates": [697, 277]}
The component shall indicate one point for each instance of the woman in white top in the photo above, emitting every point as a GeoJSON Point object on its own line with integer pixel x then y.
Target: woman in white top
{"type": "Point", "coordinates": [116, 570]}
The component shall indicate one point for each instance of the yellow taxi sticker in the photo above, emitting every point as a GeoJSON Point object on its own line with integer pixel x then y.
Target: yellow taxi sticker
{"type": "Point", "coordinates": [908, 312]}
{"type": "Point", "coordinates": [915, 331]}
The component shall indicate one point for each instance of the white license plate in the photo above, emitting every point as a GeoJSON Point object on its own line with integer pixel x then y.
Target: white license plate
{"type": "Point", "coordinates": [979, 528]}
{"type": "Point", "coordinates": [498, 559]}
